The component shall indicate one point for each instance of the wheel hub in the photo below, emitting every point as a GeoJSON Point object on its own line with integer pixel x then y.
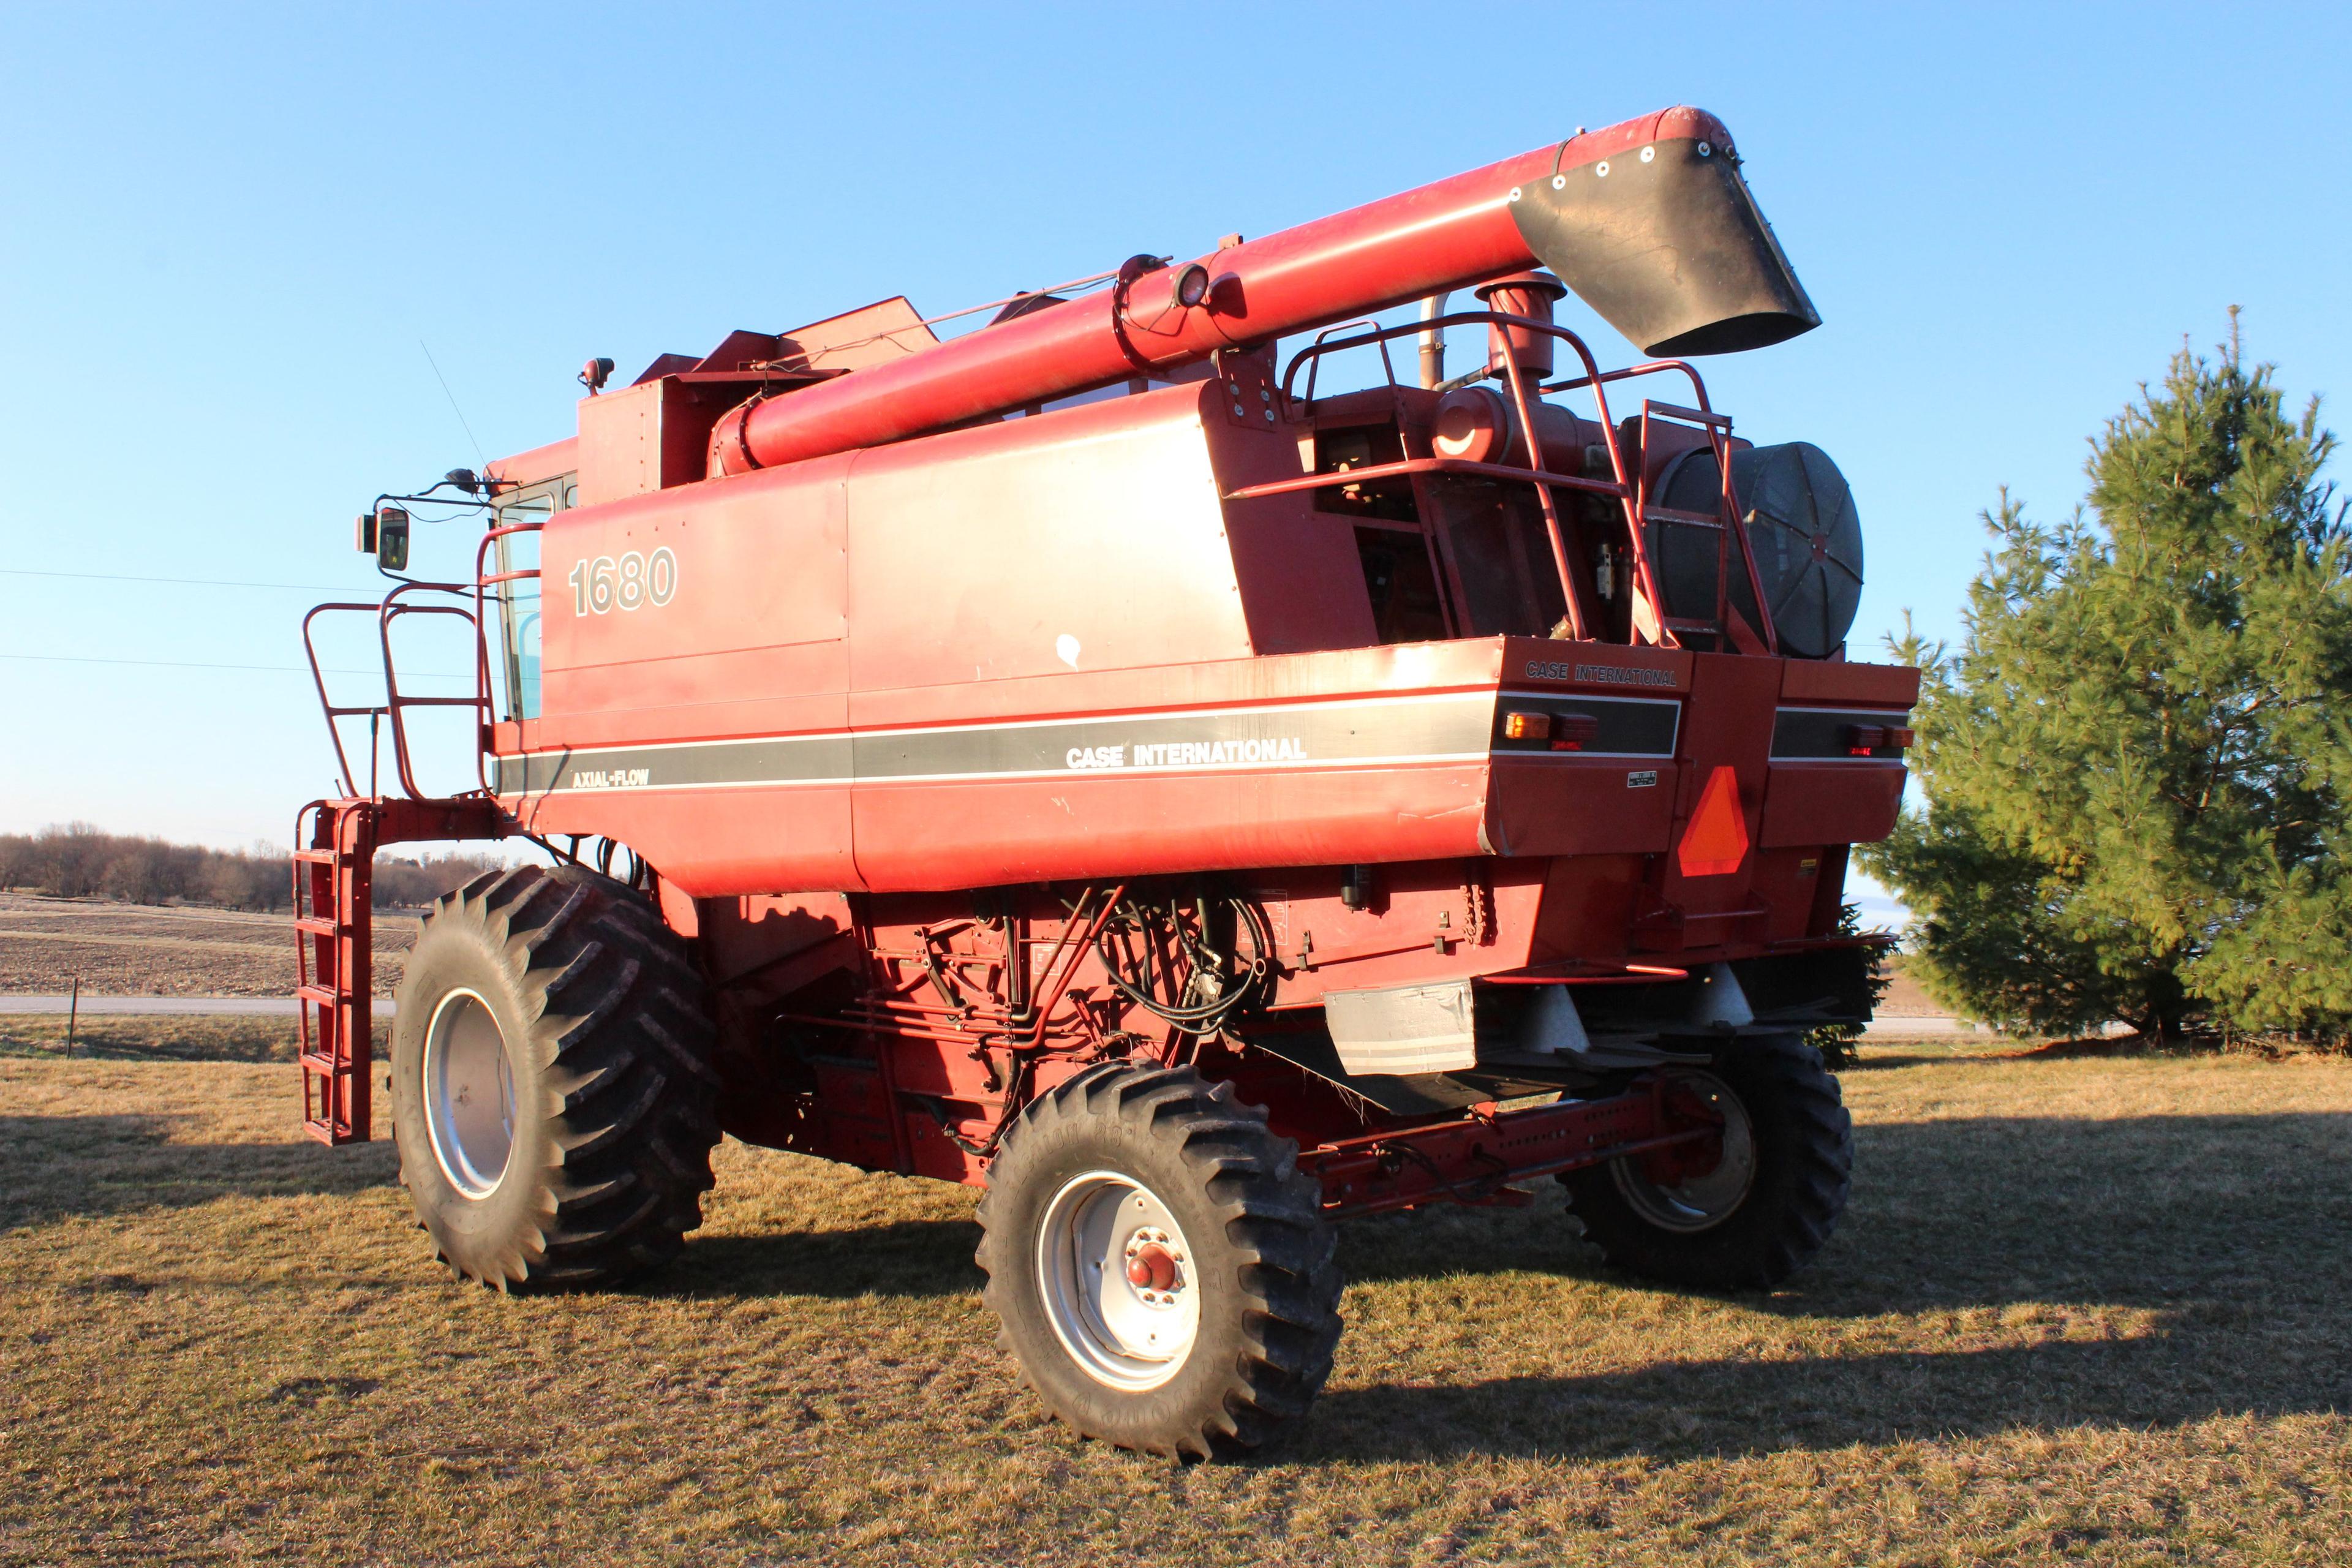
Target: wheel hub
{"type": "Point", "coordinates": [1115, 1279]}
{"type": "Point", "coordinates": [1701, 1152]}
{"type": "Point", "coordinates": [1698, 1185]}
{"type": "Point", "coordinates": [470, 1099]}
{"type": "Point", "coordinates": [1151, 1266]}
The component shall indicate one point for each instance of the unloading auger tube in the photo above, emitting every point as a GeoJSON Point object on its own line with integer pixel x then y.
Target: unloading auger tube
{"type": "Point", "coordinates": [1094, 761]}
{"type": "Point", "coordinates": [1649, 221]}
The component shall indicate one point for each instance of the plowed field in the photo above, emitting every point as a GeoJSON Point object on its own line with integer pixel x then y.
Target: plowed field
{"type": "Point", "coordinates": [136, 949]}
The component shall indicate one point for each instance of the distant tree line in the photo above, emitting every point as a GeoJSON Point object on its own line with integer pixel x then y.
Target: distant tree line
{"type": "Point", "coordinates": [78, 861]}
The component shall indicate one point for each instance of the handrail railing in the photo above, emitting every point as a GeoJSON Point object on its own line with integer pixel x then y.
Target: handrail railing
{"type": "Point", "coordinates": [392, 607]}
{"type": "Point", "coordinates": [1406, 466]}
{"type": "Point", "coordinates": [327, 705]}
{"type": "Point", "coordinates": [1726, 523]}
{"type": "Point", "coordinates": [1628, 489]}
{"type": "Point", "coordinates": [1388, 367]}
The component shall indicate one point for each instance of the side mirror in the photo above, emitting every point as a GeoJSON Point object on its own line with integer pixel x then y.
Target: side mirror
{"type": "Point", "coordinates": [384, 532]}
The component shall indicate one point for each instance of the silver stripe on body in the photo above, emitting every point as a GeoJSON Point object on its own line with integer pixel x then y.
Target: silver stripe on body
{"type": "Point", "coordinates": [1351, 733]}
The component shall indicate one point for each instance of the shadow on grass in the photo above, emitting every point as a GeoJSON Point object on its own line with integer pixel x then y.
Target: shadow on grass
{"type": "Point", "coordinates": [2156, 1212]}
{"type": "Point", "coordinates": [1684, 1409]}
{"type": "Point", "coordinates": [2163, 1213]}
{"type": "Point", "coordinates": [2230, 1230]}
{"type": "Point", "coordinates": [2234, 1233]}
{"type": "Point", "coordinates": [2137, 1211]}
{"type": "Point", "coordinates": [909, 1258]}
{"type": "Point", "coordinates": [58, 1167]}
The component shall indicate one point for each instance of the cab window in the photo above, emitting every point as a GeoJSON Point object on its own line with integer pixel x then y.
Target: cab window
{"type": "Point", "coordinates": [518, 600]}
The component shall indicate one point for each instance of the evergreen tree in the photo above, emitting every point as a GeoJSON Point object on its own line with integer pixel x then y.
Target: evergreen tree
{"type": "Point", "coordinates": [2138, 767]}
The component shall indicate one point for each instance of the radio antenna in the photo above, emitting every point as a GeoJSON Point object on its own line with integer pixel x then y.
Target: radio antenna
{"type": "Point", "coordinates": [479, 456]}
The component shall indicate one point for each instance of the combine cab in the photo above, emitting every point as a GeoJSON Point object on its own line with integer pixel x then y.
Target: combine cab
{"type": "Point", "coordinates": [1089, 759]}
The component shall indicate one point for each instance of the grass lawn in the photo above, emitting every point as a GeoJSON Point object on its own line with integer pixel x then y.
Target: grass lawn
{"type": "Point", "coordinates": [2082, 1309]}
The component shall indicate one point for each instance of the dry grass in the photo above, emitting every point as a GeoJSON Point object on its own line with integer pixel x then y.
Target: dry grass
{"type": "Point", "coordinates": [136, 949]}
{"type": "Point", "coordinates": [2081, 1311]}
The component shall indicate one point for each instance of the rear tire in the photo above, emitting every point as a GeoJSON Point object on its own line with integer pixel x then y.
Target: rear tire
{"type": "Point", "coordinates": [1161, 1270]}
{"type": "Point", "coordinates": [1764, 1210]}
{"type": "Point", "coordinates": [553, 1097]}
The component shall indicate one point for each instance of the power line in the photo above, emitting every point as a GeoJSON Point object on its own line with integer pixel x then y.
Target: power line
{"type": "Point", "coordinates": [184, 582]}
{"type": "Point", "coordinates": [272, 668]}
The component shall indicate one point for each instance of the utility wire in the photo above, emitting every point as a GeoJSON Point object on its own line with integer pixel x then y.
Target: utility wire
{"type": "Point", "coordinates": [186, 582]}
{"type": "Point", "coordinates": [275, 669]}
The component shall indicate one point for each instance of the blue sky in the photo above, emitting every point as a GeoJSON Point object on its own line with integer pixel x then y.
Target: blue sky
{"type": "Point", "coordinates": [229, 236]}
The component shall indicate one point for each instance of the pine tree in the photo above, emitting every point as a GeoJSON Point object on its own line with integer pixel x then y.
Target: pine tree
{"type": "Point", "coordinates": [2138, 767]}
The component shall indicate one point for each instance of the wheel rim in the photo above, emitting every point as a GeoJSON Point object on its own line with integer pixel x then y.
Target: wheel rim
{"type": "Point", "coordinates": [1117, 1279]}
{"type": "Point", "coordinates": [470, 1099]}
{"type": "Point", "coordinates": [1703, 1200]}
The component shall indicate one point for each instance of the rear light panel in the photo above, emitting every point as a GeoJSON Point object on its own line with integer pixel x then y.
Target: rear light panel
{"type": "Point", "coordinates": [1574, 731]}
{"type": "Point", "coordinates": [1559, 731]}
{"type": "Point", "coordinates": [1869, 740]}
{"type": "Point", "coordinates": [1526, 723]}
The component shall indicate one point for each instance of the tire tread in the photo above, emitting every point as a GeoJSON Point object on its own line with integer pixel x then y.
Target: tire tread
{"type": "Point", "coordinates": [1804, 1207]}
{"type": "Point", "coordinates": [611, 998]}
{"type": "Point", "coordinates": [1287, 1271]}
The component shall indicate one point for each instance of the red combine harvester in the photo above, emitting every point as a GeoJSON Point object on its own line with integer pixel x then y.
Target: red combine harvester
{"type": "Point", "coordinates": [1081, 759]}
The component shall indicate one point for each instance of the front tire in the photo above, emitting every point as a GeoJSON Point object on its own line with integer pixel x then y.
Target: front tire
{"type": "Point", "coordinates": [553, 1097]}
{"type": "Point", "coordinates": [1760, 1206]}
{"type": "Point", "coordinates": [1161, 1270]}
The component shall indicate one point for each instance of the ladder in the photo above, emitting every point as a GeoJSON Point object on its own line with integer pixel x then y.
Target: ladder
{"type": "Point", "coordinates": [333, 924]}
{"type": "Point", "coordinates": [334, 978]}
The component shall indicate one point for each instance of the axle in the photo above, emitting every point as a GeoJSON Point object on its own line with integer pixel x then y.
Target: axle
{"type": "Point", "coordinates": [1475, 1160]}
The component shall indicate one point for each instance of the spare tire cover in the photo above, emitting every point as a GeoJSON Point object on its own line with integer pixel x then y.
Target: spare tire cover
{"type": "Point", "coordinates": [1802, 525]}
